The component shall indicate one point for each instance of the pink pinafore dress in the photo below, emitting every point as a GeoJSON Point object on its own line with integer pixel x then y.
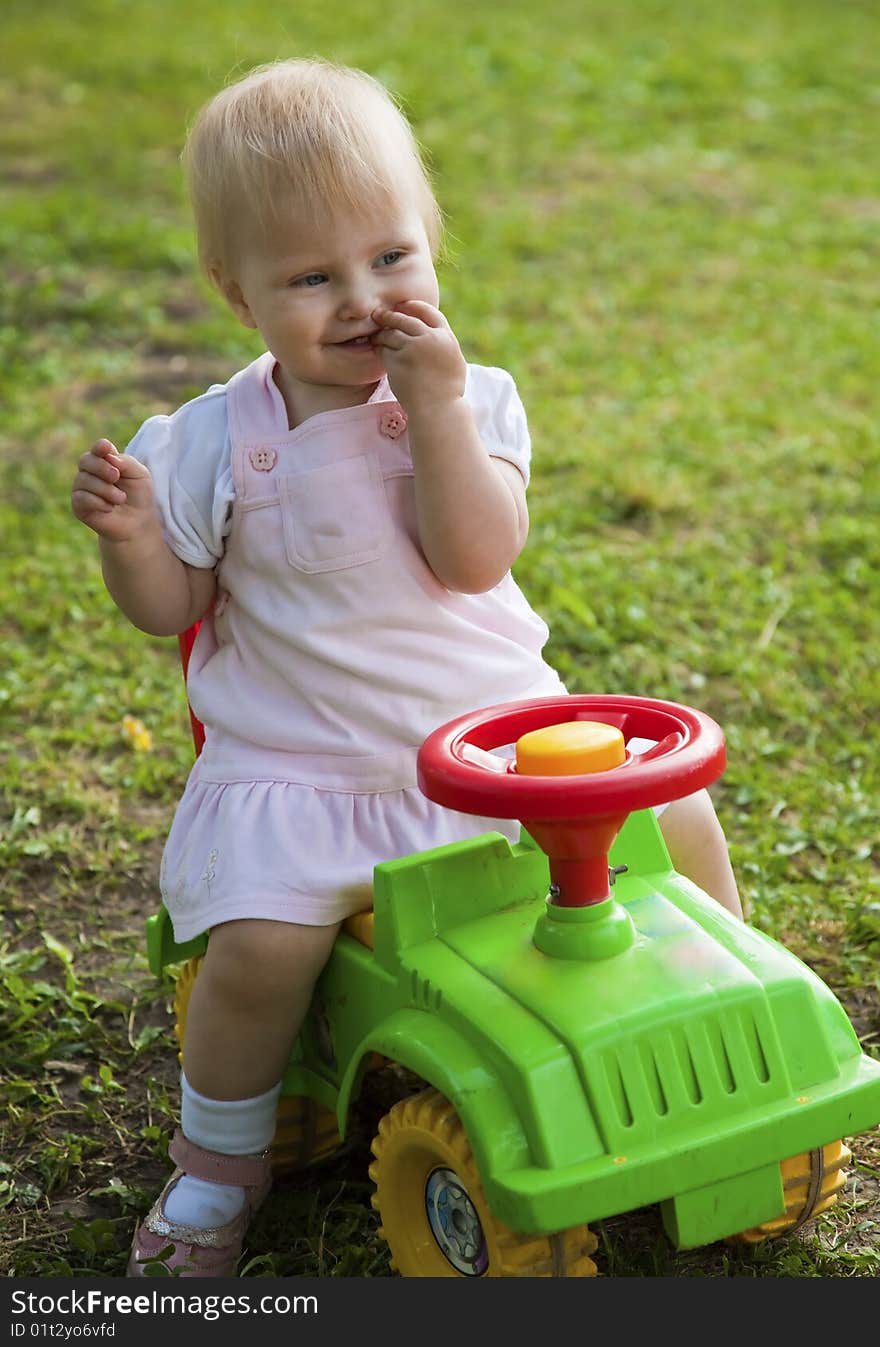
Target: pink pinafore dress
{"type": "Point", "coordinates": [331, 653]}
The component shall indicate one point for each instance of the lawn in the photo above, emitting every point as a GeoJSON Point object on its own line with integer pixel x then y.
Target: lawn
{"type": "Point", "coordinates": [663, 219]}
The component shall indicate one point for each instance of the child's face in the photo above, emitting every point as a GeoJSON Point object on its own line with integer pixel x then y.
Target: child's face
{"type": "Point", "coordinates": [311, 291]}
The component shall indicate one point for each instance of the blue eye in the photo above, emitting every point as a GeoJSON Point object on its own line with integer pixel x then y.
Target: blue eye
{"type": "Point", "coordinates": [314, 278]}
{"type": "Point", "coordinates": [393, 255]}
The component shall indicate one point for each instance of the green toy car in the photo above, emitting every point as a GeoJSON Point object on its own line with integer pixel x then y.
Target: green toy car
{"type": "Point", "coordinates": [586, 1050]}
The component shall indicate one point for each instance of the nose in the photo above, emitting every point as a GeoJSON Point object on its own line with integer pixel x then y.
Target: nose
{"type": "Point", "coordinates": [360, 297]}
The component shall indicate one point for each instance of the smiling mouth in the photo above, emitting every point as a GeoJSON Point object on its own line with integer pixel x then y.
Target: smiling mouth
{"type": "Point", "coordinates": [355, 344]}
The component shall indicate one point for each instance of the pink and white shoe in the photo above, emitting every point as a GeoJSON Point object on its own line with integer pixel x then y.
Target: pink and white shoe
{"type": "Point", "coordinates": [211, 1252]}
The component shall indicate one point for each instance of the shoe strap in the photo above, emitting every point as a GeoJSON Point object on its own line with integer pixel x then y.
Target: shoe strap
{"type": "Point", "coordinates": [242, 1171]}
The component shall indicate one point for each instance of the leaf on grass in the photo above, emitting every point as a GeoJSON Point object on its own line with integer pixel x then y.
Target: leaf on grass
{"type": "Point", "coordinates": [148, 1035]}
{"type": "Point", "coordinates": [129, 1198]}
{"type": "Point", "coordinates": [60, 951]}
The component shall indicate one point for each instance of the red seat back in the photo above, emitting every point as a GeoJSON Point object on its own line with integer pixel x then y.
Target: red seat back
{"type": "Point", "coordinates": [186, 640]}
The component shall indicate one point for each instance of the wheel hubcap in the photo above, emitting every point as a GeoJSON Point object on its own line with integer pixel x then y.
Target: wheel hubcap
{"type": "Point", "coordinates": [455, 1224]}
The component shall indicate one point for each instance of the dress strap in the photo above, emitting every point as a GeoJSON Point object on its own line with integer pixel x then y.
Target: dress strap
{"type": "Point", "coordinates": [254, 403]}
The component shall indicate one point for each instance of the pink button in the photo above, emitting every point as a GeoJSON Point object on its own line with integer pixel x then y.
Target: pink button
{"type": "Point", "coordinates": [263, 460]}
{"type": "Point", "coordinates": [392, 424]}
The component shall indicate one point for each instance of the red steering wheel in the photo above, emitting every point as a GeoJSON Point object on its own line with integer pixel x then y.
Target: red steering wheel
{"type": "Point", "coordinates": [457, 768]}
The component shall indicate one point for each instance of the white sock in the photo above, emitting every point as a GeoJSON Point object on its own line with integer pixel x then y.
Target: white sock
{"type": "Point", "coordinates": [203, 1204]}
{"type": "Point", "coordinates": [232, 1127]}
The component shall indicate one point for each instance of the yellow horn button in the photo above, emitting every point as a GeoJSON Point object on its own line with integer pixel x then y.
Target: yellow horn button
{"type": "Point", "coordinates": [572, 749]}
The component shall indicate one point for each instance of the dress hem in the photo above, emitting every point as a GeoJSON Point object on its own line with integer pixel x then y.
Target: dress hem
{"type": "Point", "coordinates": [314, 914]}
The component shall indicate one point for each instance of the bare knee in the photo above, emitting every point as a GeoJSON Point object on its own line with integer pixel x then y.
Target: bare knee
{"type": "Point", "coordinates": [254, 965]}
{"type": "Point", "coordinates": [698, 848]}
{"type": "Point", "coordinates": [248, 1003]}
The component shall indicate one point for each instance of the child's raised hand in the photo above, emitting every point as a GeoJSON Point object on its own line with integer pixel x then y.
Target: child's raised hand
{"type": "Point", "coordinates": [421, 355]}
{"type": "Point", "coordinates": [112, 493]}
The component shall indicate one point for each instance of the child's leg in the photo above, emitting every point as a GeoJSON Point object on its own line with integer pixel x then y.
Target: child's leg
{"type": "Point", "coordinates": [248, 1002]}
{"type": "Point", "coordinates": [698, 848]}
{"type": "Point", "coordinates": [247, 1005]}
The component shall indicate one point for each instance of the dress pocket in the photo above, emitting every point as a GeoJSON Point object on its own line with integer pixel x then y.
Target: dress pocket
{"type": "Point", "coordinates": [335, 516]}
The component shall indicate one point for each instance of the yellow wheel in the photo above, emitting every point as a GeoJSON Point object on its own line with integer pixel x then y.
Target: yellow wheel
{"type": "Point", "coordinates": [182, 992]}
{"type": "Point", "coordinates": [810, 1184]}
{"type": "Point", "coordinates": [434, 1213]}
{"type": "Point", "coordinates": [305, 1132]}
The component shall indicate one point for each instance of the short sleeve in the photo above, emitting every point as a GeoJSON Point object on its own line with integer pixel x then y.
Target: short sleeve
{"type": "Point", "coordinates": [499, 415]}
{"type": "Point", "coordinates": [188, 457]}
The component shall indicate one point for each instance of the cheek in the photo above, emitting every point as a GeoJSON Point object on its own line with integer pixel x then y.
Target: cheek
{"type": "Point", "coordinates": [420, 285]}
{"type": "Point", "coordinates": [302, 323]}
{"type": "Point", "coordinates": [430, 286]}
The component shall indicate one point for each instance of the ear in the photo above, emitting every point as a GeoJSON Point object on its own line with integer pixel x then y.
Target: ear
{"type": "Point", "coordinates": [233, 294]}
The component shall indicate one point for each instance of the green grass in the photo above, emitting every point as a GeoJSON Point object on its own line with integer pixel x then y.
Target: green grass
{"type": "Point", "coordinates": [663, 219]}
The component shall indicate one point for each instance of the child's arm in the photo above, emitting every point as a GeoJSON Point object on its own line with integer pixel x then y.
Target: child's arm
{"type": "Point", "coordinates": [113, 495]}
{"type": "Point", "coordinates": [471, 509]}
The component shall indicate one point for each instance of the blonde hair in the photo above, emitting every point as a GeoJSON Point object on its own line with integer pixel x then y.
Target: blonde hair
{"type": "Point", "coordinates": [306, 133]}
